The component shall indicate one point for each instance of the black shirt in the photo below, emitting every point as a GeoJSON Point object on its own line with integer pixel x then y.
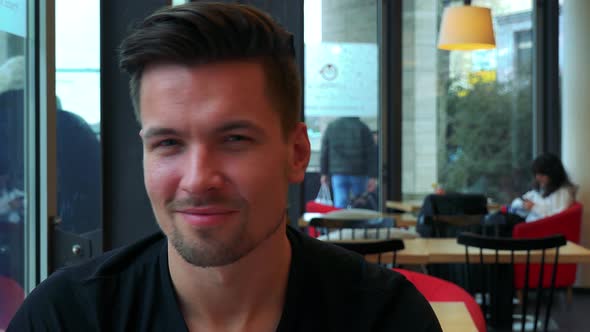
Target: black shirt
{"type": "Point", "coordinates": [129, 289]}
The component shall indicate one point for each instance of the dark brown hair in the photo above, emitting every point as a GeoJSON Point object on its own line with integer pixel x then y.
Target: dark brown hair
{"type": "Point", "coordinates": [198, 33]}
{"type": "Point", "coordinates": [550, 165]}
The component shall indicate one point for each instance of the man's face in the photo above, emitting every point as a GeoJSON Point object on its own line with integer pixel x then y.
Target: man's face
{"type": "Point", "coordinates": [216, 163]}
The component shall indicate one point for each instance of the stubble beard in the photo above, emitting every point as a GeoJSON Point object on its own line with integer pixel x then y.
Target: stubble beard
{"type": "Point", "coordinates": [209, 251]}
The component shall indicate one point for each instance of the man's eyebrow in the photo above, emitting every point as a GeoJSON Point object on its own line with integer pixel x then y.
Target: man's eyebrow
{"type": "Point", "coordinates": [240, 124]}
{"type": "Point", "coordinates": [159, 131]}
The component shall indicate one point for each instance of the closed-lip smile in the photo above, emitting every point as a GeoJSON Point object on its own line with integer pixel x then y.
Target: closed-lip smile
{"type": "Point", "coordinates": [206, 216]}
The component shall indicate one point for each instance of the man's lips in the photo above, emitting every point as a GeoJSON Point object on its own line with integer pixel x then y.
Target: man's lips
{"type": "Point", "coordinates": [207, 210]}
{"type": "Point", "coordinates": [206, 216]}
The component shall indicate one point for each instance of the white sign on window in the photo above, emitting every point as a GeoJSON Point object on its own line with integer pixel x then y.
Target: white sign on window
{"type": "Point", "coordinates": [341, 79]}
{"type": "Point", "coordinates": [13, 17]}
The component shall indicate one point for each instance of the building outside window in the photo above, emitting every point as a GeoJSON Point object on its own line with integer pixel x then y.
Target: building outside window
{"type": "Point", "coordinates": [467, 115]}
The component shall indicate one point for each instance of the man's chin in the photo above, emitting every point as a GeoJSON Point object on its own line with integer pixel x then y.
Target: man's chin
{"type": "Point", "coordinates": [209, 246]}
{"type": "Point", "coordinates": [203, 254]}
{"type": "Point", "coordinates": [217, 246]}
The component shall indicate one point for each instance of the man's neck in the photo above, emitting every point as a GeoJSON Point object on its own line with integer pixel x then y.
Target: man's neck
{"type": "Point", "coordinates": [246, 295]}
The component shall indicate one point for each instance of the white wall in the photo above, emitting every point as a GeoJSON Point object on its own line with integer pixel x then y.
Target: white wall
{"type": "Point", "coordinates": [576, 110]}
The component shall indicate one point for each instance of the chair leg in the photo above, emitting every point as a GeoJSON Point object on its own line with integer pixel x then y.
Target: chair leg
{"type": "Point", "coordinates": [424, 268]}
{"type": "Point", "coordinates": [519, 295]}
{"type": "Point", "coordinates": [569, 295]}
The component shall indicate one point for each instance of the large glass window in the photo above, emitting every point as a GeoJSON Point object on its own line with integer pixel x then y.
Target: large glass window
{"type": "Point", "coordinates": [13, 161]}
{"type": "Point", "coordinates": [77, 63]}
{"type": "Point", "coordinates": [467, 115]}
{"type": "Point", "coordinates": [341, 99]}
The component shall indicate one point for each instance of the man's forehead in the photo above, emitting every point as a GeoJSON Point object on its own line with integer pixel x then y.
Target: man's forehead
{"type": "Point", "coordinates": [224, 126]}
{"type": "Point", "coordinates": [229, 76]}
{"type": "Point", "coordinates": [212, 67]}
{"type": "Point", "coordinates": [165, 75]}
{"type": "Point", "coordinates": [219, 92]}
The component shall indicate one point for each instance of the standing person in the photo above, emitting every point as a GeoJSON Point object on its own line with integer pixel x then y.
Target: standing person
{"type": "Point", "coordinates": [78, 174]}
{"type": "Point", "coordinates": [217, 93]}
{"type": "Point", "coordinates": [552, 190]}
{"type": "Point", "coordinates": [348, 157]}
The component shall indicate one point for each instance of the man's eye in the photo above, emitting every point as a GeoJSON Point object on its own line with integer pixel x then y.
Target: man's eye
{"type": "Point", "coordinates": [166, 143]}
{"type": "Point", "coordinates": [237, 138]}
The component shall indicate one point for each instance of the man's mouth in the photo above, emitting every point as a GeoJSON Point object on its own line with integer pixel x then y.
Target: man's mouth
{"type": "Point", "coordinates": [206, 216]}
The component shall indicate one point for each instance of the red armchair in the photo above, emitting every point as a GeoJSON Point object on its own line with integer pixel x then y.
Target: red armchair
{"type": "Point", "coordinates": [438, 290]}
{"type": "Point", "coordinates": [568, 223]}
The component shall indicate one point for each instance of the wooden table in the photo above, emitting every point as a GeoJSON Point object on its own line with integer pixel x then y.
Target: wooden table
{"type": "Point", "coordinates": [453, 317]}
{"type": "Point", "coordinates": [414, 206]}
{"type": "Point", "coordinates": [401, 219]}
{"type": "Point", "coordinates": [447, 250]}
{"type": "Point", "coordinates": [406, 206]}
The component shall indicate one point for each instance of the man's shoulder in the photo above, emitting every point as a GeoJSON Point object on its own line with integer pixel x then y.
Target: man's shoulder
{"type": "Point", "coordinates": [345, 285]}
{"type": "Point", "coordinates": [73, 294]}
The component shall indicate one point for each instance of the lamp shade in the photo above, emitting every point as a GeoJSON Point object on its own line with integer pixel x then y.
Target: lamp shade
{"type": "Point", "coordinates": [466, 28]}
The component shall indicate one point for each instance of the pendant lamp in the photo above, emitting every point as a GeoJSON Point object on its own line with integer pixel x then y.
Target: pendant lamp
{"type": "Point", "coordinates": [466, 28]}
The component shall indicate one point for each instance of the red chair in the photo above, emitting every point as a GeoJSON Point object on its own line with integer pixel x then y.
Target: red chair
{"type": "Point", "coordinates": [438, 290]}
{"type": "Point", "coordinates": [11, 297]}
{"type": "Point", "coordinates": [312, 206]}
{"type": "Point", "coordinates": [568, 223]}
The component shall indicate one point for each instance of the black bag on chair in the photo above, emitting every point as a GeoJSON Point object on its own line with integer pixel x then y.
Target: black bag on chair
{"type": "Point", "coordinates": [451, 204]}
{"type": "Point", "coordinates": [467, 212]}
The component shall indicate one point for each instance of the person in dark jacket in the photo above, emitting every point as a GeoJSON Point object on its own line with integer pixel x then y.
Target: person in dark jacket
{"type": "Point", "coordinates": [348, 156]}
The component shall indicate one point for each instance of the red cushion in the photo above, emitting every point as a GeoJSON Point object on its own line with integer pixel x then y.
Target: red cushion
{"type": "Point", "coordinates": [439, 290]}
{"type": "Point", "coordinates": [568, 223]}
{"type": "Point", "coordinates": [313, 232]}
{"type": "Point", "coordinates": [11, 297]}
{"type": "Point", "coordinates": [312, 206]}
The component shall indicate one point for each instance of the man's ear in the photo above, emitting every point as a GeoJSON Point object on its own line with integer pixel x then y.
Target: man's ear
{"type": "Point", "coordinates": [299, 153]}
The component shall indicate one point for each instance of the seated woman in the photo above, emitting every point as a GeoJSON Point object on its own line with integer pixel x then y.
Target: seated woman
{"type": "Point", "coordinates": [552, 192]}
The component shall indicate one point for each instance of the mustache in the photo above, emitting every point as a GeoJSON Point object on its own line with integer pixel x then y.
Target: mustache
{"type": "Point", "coordinates": [205, 200]}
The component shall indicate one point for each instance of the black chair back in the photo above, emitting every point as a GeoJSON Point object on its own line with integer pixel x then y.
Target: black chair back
{"type": "Point", "coordinates": [358, 227]}
{"type": "Point", "coordinates": [438, 208]}
{"type": "Point", "coordinates": [454, 204]}
{"type": "Point", "coordinates": [375, 248]}
{"type": "Point", "coordinates": [448, 215]}
{"type": "Point", "coordinates": [368, 236]}
{"type": "Point", "coordinates": [496, 281]}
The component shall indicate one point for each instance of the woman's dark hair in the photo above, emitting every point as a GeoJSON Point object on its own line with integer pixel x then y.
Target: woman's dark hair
{"type": "Point", "coordinates": [550, 165]}
{"type": "Point", "coordinates": [198, 33]}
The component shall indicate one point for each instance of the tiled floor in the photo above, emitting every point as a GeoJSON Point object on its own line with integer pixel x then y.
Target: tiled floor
{"type": "Point", "coordinates": [566, 317]}
{"type": "Point", "coordinates": [574, 317]}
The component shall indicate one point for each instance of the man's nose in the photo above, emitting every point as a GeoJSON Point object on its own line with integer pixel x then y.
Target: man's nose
{"type": "Point", "coordinates": [201, 173]}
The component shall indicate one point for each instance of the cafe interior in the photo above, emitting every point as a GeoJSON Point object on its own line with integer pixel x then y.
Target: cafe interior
{"type": "Point", "coordinates": [459, 98]}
